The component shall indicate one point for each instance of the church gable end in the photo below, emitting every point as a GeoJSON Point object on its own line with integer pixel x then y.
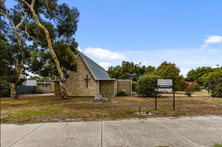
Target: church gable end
{"type": "Point", "coordinates": [77, 82]}
{"type": "Point", "coordinates": [91, 79]}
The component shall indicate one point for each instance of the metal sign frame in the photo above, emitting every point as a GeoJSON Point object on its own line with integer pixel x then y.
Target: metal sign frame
{"type": "Point", "coordinates": [165, 84]}
{"type": "Point", "coordinates": [172, 90]}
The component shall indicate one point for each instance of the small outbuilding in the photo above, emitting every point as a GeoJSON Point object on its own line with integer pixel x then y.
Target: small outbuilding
{"type": "Point", "coordinates": [46, 87]}
{"type": "Point", "coordinates": [91, 79]}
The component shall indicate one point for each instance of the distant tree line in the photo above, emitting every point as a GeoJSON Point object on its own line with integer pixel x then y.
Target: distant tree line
{"type": "Point", "coordinates": [142, 75]}
{"type": "Point", "coordinates": [211, 78]}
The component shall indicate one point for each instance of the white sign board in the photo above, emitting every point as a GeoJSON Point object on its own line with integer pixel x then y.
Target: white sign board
{"type": "Point", "coordinates": [165, 84]}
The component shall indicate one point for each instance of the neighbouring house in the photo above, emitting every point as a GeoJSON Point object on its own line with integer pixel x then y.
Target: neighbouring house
{"type": "Point", "coordinates": [91, 79]}
{"type": "Point", "coordinates": [190, 83]}
{"type": "Point", "coordinates": [29, 86]}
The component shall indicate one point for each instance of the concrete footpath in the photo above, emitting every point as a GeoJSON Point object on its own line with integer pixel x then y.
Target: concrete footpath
{"type": "Point", "coordinates": [173, 132]}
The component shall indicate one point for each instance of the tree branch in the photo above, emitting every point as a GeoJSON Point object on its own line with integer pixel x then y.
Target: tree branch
{"type": "Point", "coordinates": [25, 3]}
{"type": "Point", "coordinates": [6, 13]}
{"type": "Point", "coordinates": [29, 36]}
{"type": "Point", "coordinates": [48, 7]}
{"type": "Point", "coordinates": [32, 4]}
{"type": "Point", "coordinates": [21, 8]}
{"type": "Point", "coordinates": [21, 22]}
{"type": "Point", "coordinates": [3, 14]}
{"type": "Point", "coordinates": [15, 61]}
{"type": "Point", "coordinates": [50, 13]}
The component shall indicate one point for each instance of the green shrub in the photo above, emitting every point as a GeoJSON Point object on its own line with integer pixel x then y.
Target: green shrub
{"type": "Point", "coordinates": [190, 89]}
{"type": "Point", "coordinates": [121, 93]}
{"type": "Point", "coordinates": [198, 88]}
{"type": "Point", "coordinates": [146, 85]}
{"type": "Point", "coordinates": [134, 84]}
{"type": "Point", "coordinates": [38, 91]}
{"type": "Point", "coordinates": [5, 90]}
{"type": "Point", "coordinates": [182, 85]}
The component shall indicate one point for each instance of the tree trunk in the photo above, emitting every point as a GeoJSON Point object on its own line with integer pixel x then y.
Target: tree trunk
{"type": "Point", "coordinates": [14, 93]}
{"type": "Point", "coordinates": [61, 76]}
{"type": "Point", "coordinates": [14, 90]}
{"type": "Point", "coordinates": [18, 66]}
{"type": "Point", "coordinates": [63, 90]}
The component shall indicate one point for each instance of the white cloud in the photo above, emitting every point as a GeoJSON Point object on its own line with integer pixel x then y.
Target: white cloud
{"type": "Point", "coordinates": [204, 46]}
{"type": "Point", "coordinates": [104, 64]}
{"type": "Point", "coordinates": [215, 66]}
{"type": "Point", "coordinates": [103, 53]}
{"type": "Point", "coordinates": [79, 49]}
{"type": "Point", "coordinates": [211, 39]}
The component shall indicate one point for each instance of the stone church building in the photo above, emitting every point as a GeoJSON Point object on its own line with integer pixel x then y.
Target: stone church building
{"type": "Point", "coordinates": [91, 79]}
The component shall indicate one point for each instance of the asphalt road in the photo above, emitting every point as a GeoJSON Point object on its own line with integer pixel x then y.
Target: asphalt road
{"type": "Point", "coordinates": [173, 132]}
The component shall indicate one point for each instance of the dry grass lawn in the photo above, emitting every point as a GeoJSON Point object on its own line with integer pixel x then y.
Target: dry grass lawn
{"type": "Point", "coordinates": [34, 109]}
{"type": "Point", "coordinates": [195, 93]}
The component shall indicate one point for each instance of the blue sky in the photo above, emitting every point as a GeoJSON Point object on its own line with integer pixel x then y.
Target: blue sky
{"type": "Point", "coordinates": [187, 33]}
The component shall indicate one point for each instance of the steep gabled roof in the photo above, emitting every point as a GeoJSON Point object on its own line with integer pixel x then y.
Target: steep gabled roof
{"type": "Point", "coordinates": [97, 71]}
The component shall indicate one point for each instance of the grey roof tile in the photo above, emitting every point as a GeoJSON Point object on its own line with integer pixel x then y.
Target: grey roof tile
{"type": "Point", "coordinates": [97, 71]}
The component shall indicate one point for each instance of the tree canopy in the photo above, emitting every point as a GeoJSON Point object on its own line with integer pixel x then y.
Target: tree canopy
{"type": "Point", "coordinates": [195, 75]}
{"type": "Point", "coordinates": [63, 28]}
{"type": "Point", "coordinates": [213, 82]}
{"type": "Point", "coordinates": [129, 70]}
{"type": "Point", "coordinates": [43, 64]}
{"type": "Point", "coordinates": [12, 26]}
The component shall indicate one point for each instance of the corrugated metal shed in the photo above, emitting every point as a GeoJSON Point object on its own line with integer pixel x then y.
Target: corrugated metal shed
{"type": "Point", "coordinates": [97, 71]}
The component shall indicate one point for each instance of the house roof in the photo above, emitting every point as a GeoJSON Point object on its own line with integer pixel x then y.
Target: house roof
{"type": "Point", "coordinates": [97, 71]}
{"type": "Point", "coordinates": [44, 82]}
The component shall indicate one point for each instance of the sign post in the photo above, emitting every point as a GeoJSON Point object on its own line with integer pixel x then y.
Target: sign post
{"type": "Point", "coordinates": [155, 100]}
{"type": "Point", "coordinates": [173, 100]}
{"type": "Point", "coordinates": [165, 85]}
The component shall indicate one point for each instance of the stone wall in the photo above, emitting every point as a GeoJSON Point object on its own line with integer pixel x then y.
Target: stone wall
{"type": "Point", "coordinates": [107, 88]}
{"type": "Point", "coordinates": [124, 85]}
{"type": "Point", "coordinates": [76, 85]}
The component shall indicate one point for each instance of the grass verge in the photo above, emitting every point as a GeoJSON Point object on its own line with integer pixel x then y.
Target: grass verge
{"type": "Point", "coordinates": [53, 109]}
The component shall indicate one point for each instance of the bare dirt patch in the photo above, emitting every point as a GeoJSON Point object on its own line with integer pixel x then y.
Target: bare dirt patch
{"type": "Point", "coordinates": [36, 108]}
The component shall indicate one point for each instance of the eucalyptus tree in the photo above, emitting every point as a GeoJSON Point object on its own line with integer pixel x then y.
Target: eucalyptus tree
{"type": "Point", "coordinates": [13, 26]}
{"type": "Point", "coordinates": [168, 69]}
{"type": "Point", "coordinates": [127, 70]}
{"type": "Point", "coordinates": [213, 82]}
{"type": "Point", "coordinates": [43, 64]}
{"type": "Point", "coordinates": [65, 20]}
{"type": "Point", "coordinates": [196, 74]}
